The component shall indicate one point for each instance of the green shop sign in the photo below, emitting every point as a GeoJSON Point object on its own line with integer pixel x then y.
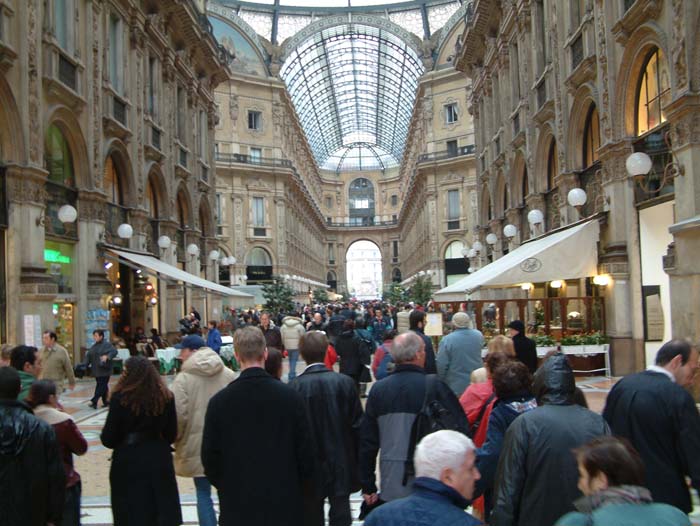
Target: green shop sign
{"type": "Point", "coordinates": [55, 256]}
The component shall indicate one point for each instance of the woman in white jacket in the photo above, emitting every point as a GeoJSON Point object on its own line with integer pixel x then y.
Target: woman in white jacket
{"type": "Point", "coordinates": [292, 330]}
{"type": "Point", "coordinates": [203, 374]}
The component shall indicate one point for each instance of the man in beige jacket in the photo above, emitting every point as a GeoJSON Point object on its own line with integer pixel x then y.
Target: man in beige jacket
{"type": "Point", "coordinates": [56, 365]}
{"type": "Point", "coordinates": [202, 375]}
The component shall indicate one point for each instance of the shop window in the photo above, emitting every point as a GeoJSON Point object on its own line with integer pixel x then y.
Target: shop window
{"type": "Point", "coordinates": [58, 258]}
{"type": "Point", "coordinates": [653, 93]}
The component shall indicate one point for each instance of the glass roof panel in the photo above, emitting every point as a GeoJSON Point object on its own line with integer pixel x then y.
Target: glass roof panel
{"type": "Point", "coordinates": [354, 87]}
{"type": "Point", "coordinates": [438, 15]}
{"type": "Point", "coordinates": [260, 21]}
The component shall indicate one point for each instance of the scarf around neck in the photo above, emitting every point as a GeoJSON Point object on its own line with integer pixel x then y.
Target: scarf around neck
{"type": "Point", "coordinates": [614, 495]}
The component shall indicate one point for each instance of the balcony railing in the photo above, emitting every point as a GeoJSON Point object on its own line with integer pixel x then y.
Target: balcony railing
{"type": "Point", "coordinates": [67, 73]}
{"type": "Point", "coordinates": [447, 154]}
{"type": "Point", "coordinates": [656, 146]}
{"type": "Point", "coordinates": [119, 110]}
{"type": "Point", "coordinates": [361, 222]}
{"type": "Point", "coordinates": [232, 158]}
{"type": "Point", "coordinates": [155, 137]}
{"type": "Point", "coordinates": [182, 161]}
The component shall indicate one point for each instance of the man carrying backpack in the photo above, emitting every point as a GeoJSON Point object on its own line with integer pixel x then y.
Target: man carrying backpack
{"type": "Point", "coordinates": [396, 418]}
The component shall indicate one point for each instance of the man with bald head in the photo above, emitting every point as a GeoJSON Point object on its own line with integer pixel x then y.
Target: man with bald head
{"type": "Point", "coordinates": [392, 406]}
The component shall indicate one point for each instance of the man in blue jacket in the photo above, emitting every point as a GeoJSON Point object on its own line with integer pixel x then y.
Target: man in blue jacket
{"type": "Point", "coordinates": [214, 337]}
{"type": "Point", "coordinates": [444, 485]}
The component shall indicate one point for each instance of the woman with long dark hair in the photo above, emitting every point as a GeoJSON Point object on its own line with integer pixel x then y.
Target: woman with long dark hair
{"type": "Point", "coordinates": [43, 400]}
{"type": "Point", "coordinates": [141, 425]}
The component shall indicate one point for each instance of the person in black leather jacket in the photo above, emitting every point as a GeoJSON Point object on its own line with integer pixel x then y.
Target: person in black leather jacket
{"type": "Point", "coordinates": [32, 479]}
{"type": "Point", "coordinates": [335, 413]}
{"type": "Point", "coordinates": [537, 477]}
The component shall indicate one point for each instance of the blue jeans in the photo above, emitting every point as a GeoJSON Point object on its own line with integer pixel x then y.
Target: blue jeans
{"type": "Point", "coordinates": [293, 358]}
{"type": "Point", "coordinates": [205, 506]}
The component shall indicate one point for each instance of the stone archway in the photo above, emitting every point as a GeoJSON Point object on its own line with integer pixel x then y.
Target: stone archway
{"type": "Point", "coordinates": [363, 267]}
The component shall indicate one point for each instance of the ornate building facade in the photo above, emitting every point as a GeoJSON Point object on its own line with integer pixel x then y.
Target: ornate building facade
{"type": "Point", "coordinates": [107, 109]}
{"type": "Point", "coordinates": [563, 94]}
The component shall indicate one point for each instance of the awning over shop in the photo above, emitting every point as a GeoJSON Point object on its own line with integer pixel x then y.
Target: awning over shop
{"type": "Point", "coordinates": [168, 271]}
{"type": "Point", "coordinates": [566, 254]}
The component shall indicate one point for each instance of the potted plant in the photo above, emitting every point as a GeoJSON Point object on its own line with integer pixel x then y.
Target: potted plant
{"type": "Point", "coordinates": [595, 342]}
{"type": "Point", "coordinates": [572, 344]}
{"type": "Point", "coordinates": [545, 344]}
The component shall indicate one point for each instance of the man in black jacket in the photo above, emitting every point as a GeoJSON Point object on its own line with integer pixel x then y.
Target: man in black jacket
{"type": "Point", "coordinates": [392, 406]}
{"type": "Point", "coordinates": [525, 348]}
{"type": "Point", "coordinates": [257, 446]}
{"type": "Point", "coordinates": [32, 479]}
{"type": "Point", "coordinates": [335, 413]}
{"type": "Point", "coordinates": [658, 416]}
{"type": "Point", "coordinates": [537, 477]}
{"type": "Point", "coordinates": [99, 357]}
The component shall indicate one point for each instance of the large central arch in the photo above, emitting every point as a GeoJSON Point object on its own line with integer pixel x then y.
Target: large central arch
{"type": "Point", "coordinates": [363, 267]}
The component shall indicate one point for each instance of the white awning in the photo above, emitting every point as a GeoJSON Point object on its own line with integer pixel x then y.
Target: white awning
{"type": "Point", "coordinates": [169, 271]}
{"type": "Point", "coordinates": [566, 254]}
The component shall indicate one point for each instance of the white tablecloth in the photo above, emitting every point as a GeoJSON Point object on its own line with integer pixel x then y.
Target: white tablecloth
{"type": "Point", "coordinates": [123, 354]}
{"type": "Point", "coordinates": [167, 358]}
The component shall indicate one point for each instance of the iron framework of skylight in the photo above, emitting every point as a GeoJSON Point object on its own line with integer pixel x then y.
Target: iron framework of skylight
{"type": "Point", "coordinates": [353, 87]}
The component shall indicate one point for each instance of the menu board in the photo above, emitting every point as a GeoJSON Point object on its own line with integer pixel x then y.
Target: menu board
{"type": "Point", "coordinates": [32, 330]}
{"type": "Point", "coordinates": [433, 326]}
{"type": "Point", "coordinates": [96, 319]}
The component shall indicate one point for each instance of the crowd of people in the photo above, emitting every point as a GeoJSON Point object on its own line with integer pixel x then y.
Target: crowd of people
{"type": "Point", "coordinates": [505, 436]}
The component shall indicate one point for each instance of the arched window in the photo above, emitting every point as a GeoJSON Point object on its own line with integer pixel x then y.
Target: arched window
{"type": "Point", "coordinates": [181, 211]}
{"type": "Point", "coordinates": [396, 275]}
{"type": "Point", "coordinates": [58, 158]}
{"type": "Point", "coordinates": [525, 188]}
{"type": "Point", "coordinates": [112, 185]}
{"type": "Point", "coordinates": [151, 202]}
{"type": "Point", "coordinates": [591, 137]}
{"type": "Point", "coordinates": [259, 257]}
{"type": "Point", "coordinates": [332, 280]}
{"type": "Point", "coordinates": [552, 166]}
{"type": "Point", "coordinates": [454, 250]}
{"type": "Point", "coordinates": [361, 202]}
{"type": "Point", "coordinates": [653, 92]}
{"type": "Point", "coordinates": [505, 199]}
{"type": "Point", "coordinates": [204, 222]}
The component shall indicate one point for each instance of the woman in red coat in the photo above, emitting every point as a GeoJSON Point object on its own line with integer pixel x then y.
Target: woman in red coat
{"type": "Point", "coordinates": [42, 398]}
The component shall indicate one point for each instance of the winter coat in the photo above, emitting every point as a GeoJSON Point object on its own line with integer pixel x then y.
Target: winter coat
{"type": "Point", "coordinates": [403, 323]}
{"type": "Point", "coordinates": [459, 354]}
{"type": "Point", "coordinates": [431, 503]}
{"type": "Point", "coordinates": [501, 416]}
{"type": "Point", "coordinates": [26, 381]}
{"type": "Point", "coordinates": [258, 451]}
{"type": "Point", "coordinates": [214, 340]}
{"type": "Point", "coordinates": [382, 354]}
{"type": "Point", "coordinates": [537, 476]}
{"type": "Point", "coordinates": [430, 366]}
{"type": "Point", "coordinates": [335, 413]}
{"type": "Point", "coordinates": [392, 406]}
{"type": "Point", "coordinates": [352, 352]}
{"type": "Point", "coordinates": [661, 421]}
{"type": "Point", "coordinates": [70, 439]}
{"type": "Point", "coordinates": [142, 479]}
{"type": "Point", "coordinates": [202, 375]}
{"type": "Point", "coordinates": [472, 402]}
{"type": "Point", "coordinates": [335, 326]}
{"type": "Point", "coordinates": [273, 337]}
{"type": "Point", "coordinates": [526, 351]}
{"type": "Point", "coordinates": [292, 330]}
{"type": "Point", "coordinates": [623, 506]}
{"type": "Point", "coordinates": [32, 480]}
{"type": "Point", "coordinates": [93, 358]}
{"type": "Point", "coordinates": [56, 366]}
{"type": "Point", "coordinates": [379, 327]}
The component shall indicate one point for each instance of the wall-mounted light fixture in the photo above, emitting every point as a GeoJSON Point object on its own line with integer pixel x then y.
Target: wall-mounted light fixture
{"type": "Point", "coordinates": [639, 165]}
{"type": "Point", "coordinates": [66, 214]}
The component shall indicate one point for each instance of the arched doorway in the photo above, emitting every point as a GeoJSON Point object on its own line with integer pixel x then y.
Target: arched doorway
{"type": "Point", "coordinates": [258, 266]}
{"type": "Point", "coordinates": [363, 262]}
{"type": "Point", "coordinates": [332, 280]}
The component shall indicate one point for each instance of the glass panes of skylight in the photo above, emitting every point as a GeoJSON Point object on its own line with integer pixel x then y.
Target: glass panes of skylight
{"type": "Point", "coordinates": [411, 20]}
{"type": "Point", "coordinates": [289, 25]}
{"type": "Point", "coordinates": [439, 15]}
{"type": "Point", "coordinates": [260, 21]}
{"type": "Point", "coordinates": [353, 88]}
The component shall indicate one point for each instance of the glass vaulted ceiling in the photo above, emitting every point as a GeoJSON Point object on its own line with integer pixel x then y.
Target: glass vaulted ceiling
{"type": "Point", "coordinates": [353, 87]}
